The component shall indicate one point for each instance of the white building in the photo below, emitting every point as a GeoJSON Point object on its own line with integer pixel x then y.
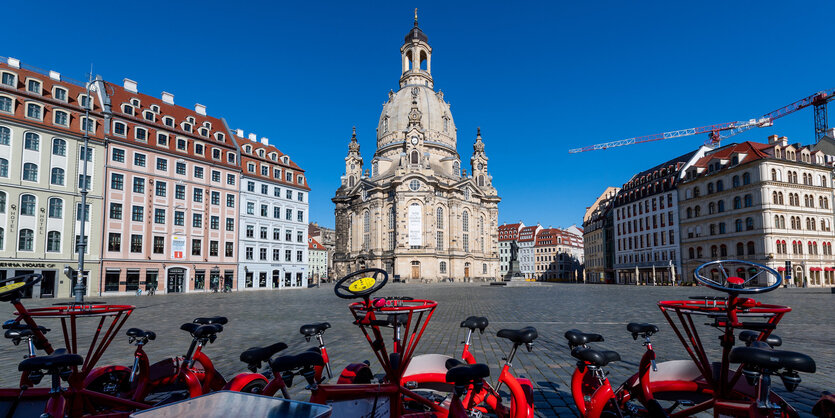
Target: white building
{"type": "Point", "coordinates": [317, 261]}
{"type": "Point", "coordinates": [647, 241]}
{"type": "Point", "coordinates": [527, 255]}
{"type": "Point", "coordinates": [273, 247]}
{"type": "Point", "coordinates": [508, 233]}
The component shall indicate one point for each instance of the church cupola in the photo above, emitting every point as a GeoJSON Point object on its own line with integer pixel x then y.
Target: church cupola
{"type": "Point", "coordinates": [353, 162]}
{"type": "Point", "coordinates": [416, 56]}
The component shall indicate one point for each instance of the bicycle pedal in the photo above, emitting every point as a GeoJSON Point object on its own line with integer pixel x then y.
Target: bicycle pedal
{"type": "Point", "coordinates": [686, 402]}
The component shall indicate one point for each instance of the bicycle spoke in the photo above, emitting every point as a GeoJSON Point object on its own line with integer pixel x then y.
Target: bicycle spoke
{"type": "Point", "coordinates": [753, 277]}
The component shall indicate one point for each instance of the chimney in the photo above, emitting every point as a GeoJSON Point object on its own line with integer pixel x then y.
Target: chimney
{"type": "Point", "coordinates": [55, 75]}
{"type": "Point", "coordinates": [200, 109]}
{"type": "Point", "coordinates": [167, 98]}
{"type": "Point", "coordinates": [131, 86]}
{"type": "Point", "coordinates": [13, 62]}
{"type": "Point", "coordinates": [830, 132]}
{"type": "Point", "coordinates": [265, 140]}
{"type": "Point", "coordinates": [253, 137]}
{"type": "Point", "coordinates": [239, 133]}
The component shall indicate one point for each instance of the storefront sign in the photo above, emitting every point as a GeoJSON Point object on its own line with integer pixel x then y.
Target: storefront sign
{"type": "Point", "coordinates": [415, 225]}
{"type": "Point", "coordinates": [178, 247]}
{"type": "Point", "coordinates": [28, 265]}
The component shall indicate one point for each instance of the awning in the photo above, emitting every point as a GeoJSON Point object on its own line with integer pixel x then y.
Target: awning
{"type": "Point", "coordinates": [781, 269]}
{"type": "Point", "coordinates": [815, 269]}
{"type": "Point", "coordinates": [828, 269]}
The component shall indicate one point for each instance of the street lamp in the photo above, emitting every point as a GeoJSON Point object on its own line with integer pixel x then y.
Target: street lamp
{"type": "Point", "coordinates": [80, 286]}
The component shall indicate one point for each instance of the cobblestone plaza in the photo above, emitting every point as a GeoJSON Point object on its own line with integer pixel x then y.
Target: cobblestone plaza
{"type": "Point", "coordinates": [263, 318]}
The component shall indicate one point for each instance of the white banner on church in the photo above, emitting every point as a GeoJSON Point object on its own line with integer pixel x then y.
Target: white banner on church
{"type": "Point", "coordinates": [415, 225]}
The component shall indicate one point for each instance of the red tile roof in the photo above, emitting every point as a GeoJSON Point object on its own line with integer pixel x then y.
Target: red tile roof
{"type": "Point", "coordinates": [270, 151]}
{"type": "Point", "coordinates": [509, 232]}
{"type": "Point", "coordinates": [312, 244]}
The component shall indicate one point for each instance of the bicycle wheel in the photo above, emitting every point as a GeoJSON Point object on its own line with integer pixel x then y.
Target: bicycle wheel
{"type": "Point", "coordinates": [256, 386]}
{"type": "Point", "coordinates": [113, 383]}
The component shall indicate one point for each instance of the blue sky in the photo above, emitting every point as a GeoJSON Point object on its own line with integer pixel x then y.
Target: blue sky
{"type": "Point", "coordinates": [539, 78]}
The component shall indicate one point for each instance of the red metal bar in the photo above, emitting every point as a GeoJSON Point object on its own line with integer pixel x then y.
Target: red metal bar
{"type": "Point", "coordinates": [95, 337]}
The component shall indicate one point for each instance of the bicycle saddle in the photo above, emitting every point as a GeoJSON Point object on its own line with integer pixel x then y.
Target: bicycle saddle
{"type": "Point", "coordinates": [644, 330]}
{"type": "Point", "coordinates": [750, 336]}
{"type": "Point", "coordinates": [58, 359]}
{"type": "Point", "coordinates": [12, 325]}
{"type": "Point", "coordinates": [577, 338]}
{"type": "Point", "coordinates": [139, 334]}
{"type": "Point", "coordinates": [201, 331]}
{"type": "Point", "coordinates": [594, 357]}
{"type": "Point", "coordinates": [302, 360]}
{"type": "Point", "coordinates": [773, 360]}
{"type": "Point", "coordinates": [519, 336]}
{"type": "Point", "coordinates": [258, 354]}
{"type": "Point", "coordinates": [310, 330]}
{"type": "Point", "coordinates": [211, 320]}
{"type": "Point", "coordinates": [474, 322]}
{"type": "Point", "coordinates": [465, 374]}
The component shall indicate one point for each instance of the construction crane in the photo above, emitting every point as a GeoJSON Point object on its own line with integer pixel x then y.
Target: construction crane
{"type": "Point", "coordinates": [716, 133]}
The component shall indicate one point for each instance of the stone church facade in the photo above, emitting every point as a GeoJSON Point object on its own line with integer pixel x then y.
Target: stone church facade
{"type": "Point", "coordinates": [416, 213]}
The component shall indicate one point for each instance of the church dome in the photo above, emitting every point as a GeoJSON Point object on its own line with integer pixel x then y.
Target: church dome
{"type": "Point", "coordinates": [435, 116]}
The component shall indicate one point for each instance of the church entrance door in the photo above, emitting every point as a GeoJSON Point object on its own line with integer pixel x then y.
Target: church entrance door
{"type": "Point", "coordinates": [466, 270]}
{"type": "Point", "coordinates": [415, 270]}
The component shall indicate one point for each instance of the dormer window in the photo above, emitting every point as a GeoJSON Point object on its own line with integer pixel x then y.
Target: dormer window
{"type": "Point", "coordinates": [261, 153]}
{"type": "Point", "coordinates": [141, 134]}
{"type": "Point", "coordinates": [186, 126]}
{"type": "Point", "coordinates": [162, 140]}
{"type": "Point", "coordinates": [250, 167]}
{"type": "Point", "coordinates": [59, 93]}
{"type": "Point", "coordinates": [204, 132]}
{"type": "Point", "coordinates": [288, 177]}
{"type": "Point", "coordinates": [155, 109]}
{"type": "Point", "coordinates": [216, 153]}
{"type": "Point", "coordinates": [207, 124]}
{"type": "Point", "coordinates": [168, 121]}
{"type": "Point", "coordinates": [277, 173]}
{"type": "Point", "coordinates": [190, 119]}
{"type": "Point", "coordinates": [120, 128]}
{"type": "Point", "coordinates": [134, 102]}
{"type": "Point", "coordinates": [230, 158]}
{"type": "Point", "coordinates": [300, 179]}
{"type": "Point", "coordinates": [248, 149]}
{"type": "Point", "coordinates": [198, 149]}
{"type": "Point", "coordinates": [34, 111]}
{"type": "Point", "coordinates": [220, 137]}
{"type": "Point", "coordinates": [181, 144]}
{"type": "Point", "coordinates": [274, 156]}
{"type": "Point", "coordinates": [265, 171]}
{"type": "Point", "coordinates": [148, 115]}
{"type": "Point", "coordinates": [127, 109]}
{"type": "Point", "coordinates": [84, 100]}
{"type": "Point", "coordinates": [33, 86]}
{"type": "Point", "coordinates": [9, 79]}
{"type": "Point", "coordinates": [285, 159]}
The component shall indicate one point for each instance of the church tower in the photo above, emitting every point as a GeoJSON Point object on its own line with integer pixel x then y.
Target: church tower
{"type": "Point", "coordinates": [416, 213]}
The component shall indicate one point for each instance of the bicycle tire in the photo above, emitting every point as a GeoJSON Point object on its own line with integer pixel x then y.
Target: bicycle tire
{"type": "Point", "coordinates": [112, 383]}
{"type": "Point", "coordinates": [256, 386]}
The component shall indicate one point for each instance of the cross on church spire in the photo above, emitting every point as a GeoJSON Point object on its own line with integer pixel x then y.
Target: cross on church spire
{"type": "Point", "coordinates": [415, 16]}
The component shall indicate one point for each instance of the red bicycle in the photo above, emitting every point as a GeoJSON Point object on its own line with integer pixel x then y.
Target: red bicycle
{"type": "Point", "coordinates": [168, 380]}
{"type": "Point", "coordinates": [699, 384]}
{"type": "Point", "coordinates": [428, 372]}
{"type": "Point", "coordinates": [62, 364]}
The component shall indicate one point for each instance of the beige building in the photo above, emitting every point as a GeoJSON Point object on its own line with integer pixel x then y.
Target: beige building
{"type": "Point", "coordinates": [41, 157]}
{"type": "Point", "coordinates": [417, 213]}
{"type": "Point", "coordinates": [767, 203]}
{"type": "Point", "coordinates": [598, 236]}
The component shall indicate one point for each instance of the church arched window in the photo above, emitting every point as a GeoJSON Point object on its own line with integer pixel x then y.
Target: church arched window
{"type": "Point", "coordinates": [465, 222]}
{"type": "Point", "coordinates": [440, 218]}
{"type": "Point", "coordinates": [366, 222]}
{"type": "Point", "coordinates": [415, 158]}
{"type": "Point", "coordinates": [391, 218]}
{"type": "Point", "coordinates": [456, 169]}
{"type": "Point", "coordinates": [481, 181]}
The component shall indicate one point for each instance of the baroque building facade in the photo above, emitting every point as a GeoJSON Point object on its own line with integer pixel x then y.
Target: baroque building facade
{"type": "Point", "coordinates": [416, 213]}
{"type": "Point", "coordinates": [767, 203]}
{"type": "Point", "coordinates": [273, 212]}
{"type": "Point", "coordinates": [41, 156]}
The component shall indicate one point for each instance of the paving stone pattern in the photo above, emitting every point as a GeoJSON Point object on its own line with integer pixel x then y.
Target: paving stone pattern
{"type": "Point", "coordinates": [262, 318]}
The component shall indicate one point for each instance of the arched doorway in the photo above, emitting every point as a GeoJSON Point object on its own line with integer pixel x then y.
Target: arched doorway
{"type": "Point", "coordinates": [467, 270]}
{"type": "Point", "coordinates": [798, 276]}
{"type": "Point", "coordinates": [415, 270]}
{"type": "Point", "coordinates": [176, 277]}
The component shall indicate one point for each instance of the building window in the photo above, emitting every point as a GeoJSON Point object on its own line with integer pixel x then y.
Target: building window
{"type": "Point", "coordinates": [215, 198]}
{"type": "Point", "coordinates": [119, 128]}
{"type": "Point", "coordinates": [180, 192]}
{"type": "Point", "coordinates": [118, 155]}
{"type": "Point", "coordinates": [117, 181]}
{"type": "Point", "coordinates": [442, 267]}
{"type": "Point", "coordinates": [56, 207]}
{"type": "Point", "coordinates": [230, 248]}
{"type": "Point", "coordinates": [9, 79]}
{"type": "Point", "coordinates": [230, 179]}
{"type": "Point", "coordinates": [215, 176]}
{"type": "Point", "coordinates": [161, 187]}
{"type": "Point", "coordinates": [230, 224]}
{"type": "Point", "coordinates": [30, 172]}
{"type": "Point", "coordinates": [33, 111]}
{"type": "Point", "coordinates": [162, 140]}
{"type": "Point", "coordinates": [197, 220]}
{"type": "Point", "coordinates": [115, 210]}
{"type": "Point", "coordinates": [31, 141]}
{"type": "Point", "coordinates": [440, 240]}
{"type": "Point", "coordinates": [5, 135]}
{"type": "Point", "coordinates": [114, 241]}
{"type": "Point", "coordinates": [137, 213]}
{"type": "Point", "coordinates": [138, 185]}
{"type": "Point", "coordinates": [214, 222]}
{"type": "Point", "coordinates": [4, 168]}
{"type": "Point", "coordinates": [136, 243]}
{"type": "Point", "coordinates": [57, 177]}
{"type": "Point", "coordinates": [53, 242]}
{"type": "Point", "coordinates": [159, 216]}
{"type": "Point", "coordinates": [59, 147]}
{"type": "Point", "coordinates": [196, 246]}
{"type": "Point", "coordinates": [198, 172]}
{"type": "Point", "coordinates": [213, 248]}
{"type": "Point", "coordinates": [179, 218]}
{"type": "Point", "coordinates": [26, 240]}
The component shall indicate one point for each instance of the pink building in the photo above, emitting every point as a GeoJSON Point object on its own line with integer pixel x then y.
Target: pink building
{"type": "Point", "coordinates": [171, 196]}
